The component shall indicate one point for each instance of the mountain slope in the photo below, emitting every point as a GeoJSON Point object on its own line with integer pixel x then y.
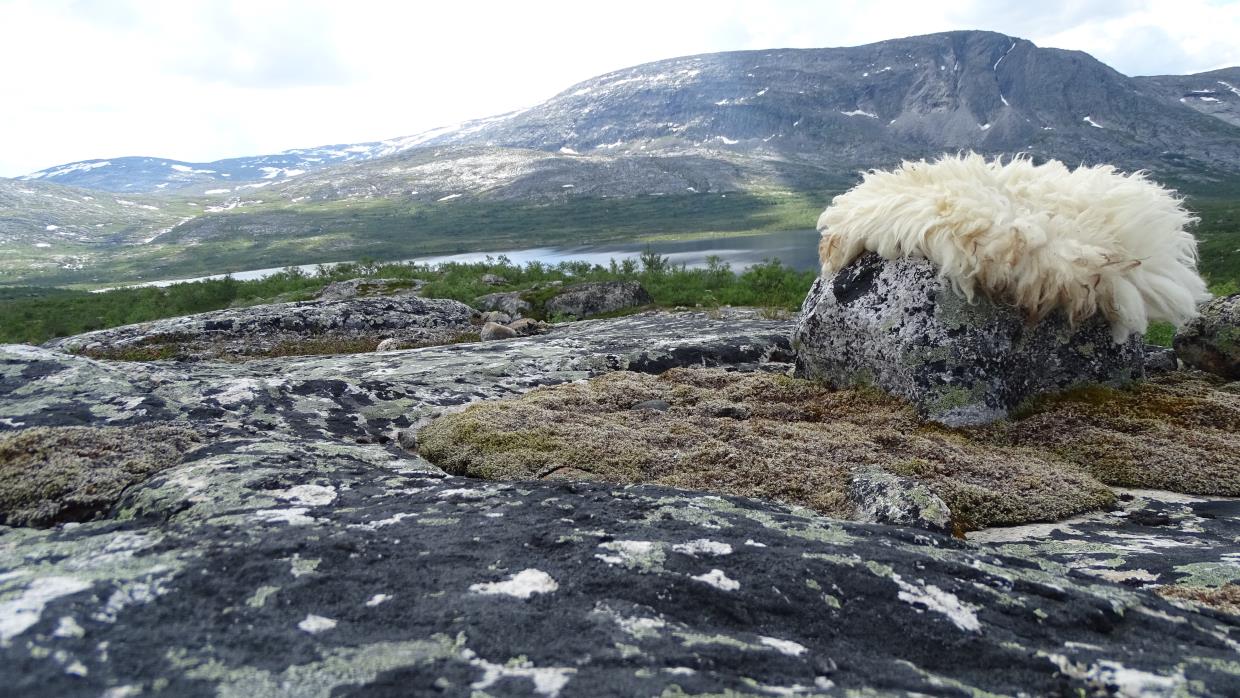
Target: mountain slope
{"type": "Point", "coordinates": [1216, 93]}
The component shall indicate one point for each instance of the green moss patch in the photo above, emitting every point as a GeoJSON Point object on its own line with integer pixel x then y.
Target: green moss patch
{"type": "Point", "coordinates": [771, 436]}
{"type": "Point", "coordinates": [51, 475]}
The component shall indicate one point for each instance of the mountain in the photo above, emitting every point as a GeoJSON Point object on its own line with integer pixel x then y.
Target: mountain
{"type": "Point", "coordinates": [154, 175]}
{"type": "Point", "coordinates": [689, 131]}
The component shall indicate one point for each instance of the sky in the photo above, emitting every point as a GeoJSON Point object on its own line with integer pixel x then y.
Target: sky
{"type": "Point", "coordinates": [199, 81]}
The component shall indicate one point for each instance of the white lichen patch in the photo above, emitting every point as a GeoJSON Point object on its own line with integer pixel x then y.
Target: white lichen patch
{"type": "Point", "coordinates": [633, 554]}
{"type": "Point", "coordinates": [548, 681]}
{"type": "Point", "coordinates": [1117, 679]}
{"type": "Point", "coordinates": [18, 614]}
{"type": "Point", "coordinates": [68, 627]}
{"type": "Point", "coordinates": [754, 544]}
{"type": "Point", "coordinates": [703, 546]}
{"type": "Point", "coordinates": [788, 647]}
{"type": "Point", "coordinates": [307, 495]}
{"type": "Point", "coordinates": [939, 601]}
{"type": "Point", "coordinates": [316, 624]}
{"type": "Point", "coordinates": [718, 579]}
{"type": "Point", "coordinates": [377, 599]}
{"type": "Point", "coordinates": [293, 516]}
{"type": "Point", "coordinates": [522, 585]}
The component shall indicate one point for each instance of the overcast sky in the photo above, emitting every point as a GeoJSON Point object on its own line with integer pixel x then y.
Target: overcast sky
{"type": "Point", "coordinates": [199, 81]}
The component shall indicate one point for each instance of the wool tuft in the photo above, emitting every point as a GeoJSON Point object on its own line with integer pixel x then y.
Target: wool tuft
{"type": "Point", "coordinates": [1041, 237]}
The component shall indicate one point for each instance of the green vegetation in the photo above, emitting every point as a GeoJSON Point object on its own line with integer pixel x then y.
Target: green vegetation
{"type": "Point", "coordinates": [35, 315]}
{"type": "Point", "coordinates": [280, 234]}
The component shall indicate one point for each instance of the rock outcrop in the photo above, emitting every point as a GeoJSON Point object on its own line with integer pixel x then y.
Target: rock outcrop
{"type": "Point", "coordinates": [897, 326]}
{"type": "Point", "coordinates": [298, 548]}
{"type": "Point", "coordinates": [364, 287]}
{"type": "Point", "coordinates": [307, 327]}
{"type": "Point", "coordinates": [1212, 341]}
{"type": "Point", "coordinates": [597, 298]}
{"type": "Point", "coordinates": [509, 302]}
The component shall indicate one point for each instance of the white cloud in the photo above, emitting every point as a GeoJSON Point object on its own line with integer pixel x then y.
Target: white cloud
{"type": "Point", "coordinates": [201, 80]}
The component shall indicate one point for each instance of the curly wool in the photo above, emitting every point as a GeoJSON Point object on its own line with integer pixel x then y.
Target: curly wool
{"type": "Point", "coordinates": [1041, 237]}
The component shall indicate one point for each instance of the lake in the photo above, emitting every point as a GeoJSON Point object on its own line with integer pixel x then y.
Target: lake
{"type": "Point", "coordinates": [794, 248]}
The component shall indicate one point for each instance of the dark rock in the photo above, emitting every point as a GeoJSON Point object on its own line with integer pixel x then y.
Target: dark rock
{"type": "Point", "coordinates": [408, 439]}
{"type": "Point", "coordinates": [896, 325]}
{"type": "Point", "coordinates": [493, 331]}
{"type": "Point", "coordinates": [654, 405]}
{"type": "Point", "coordinates": [355, 288]}
{"type": "Point", "coordinates": [306, 327]}
{"type": "Point", "coordinates": [596, 298]}
{"type": "Point", "coordinates": [509, 303]}
{"type": "Point", "coordinates": [1212, 341]}
{"type": "Point", "coordinates": [282, 556]}
{"type": "Point", "coordinates": [1160, 359]}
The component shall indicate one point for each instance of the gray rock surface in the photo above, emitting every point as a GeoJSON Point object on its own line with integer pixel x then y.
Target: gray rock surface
{"type": "Point", "coordinates": [493, 280]}
{"type": "Point", "coordinates": [1160, 359]}
{"type": "Point", "coordinates": [509, 303]}
{"type": "Point", "coordinates": [597, 298]}
{"type": "Point", "coordinates": [1212, 341]}
{"type": "Point", "coordinates": [895, 325]}
{"type": "Point", "coordinates": [353, 288]}
{"type": "Point", "coordinates": [300, 550]}
{"type": "Point", "coordinates": [496, 316]}
{"type": "Point", "coordinates": [264, 329]}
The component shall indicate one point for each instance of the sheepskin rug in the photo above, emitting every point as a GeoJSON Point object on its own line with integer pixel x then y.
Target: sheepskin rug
{"type": "Point", "coordinates": [1041, 237]}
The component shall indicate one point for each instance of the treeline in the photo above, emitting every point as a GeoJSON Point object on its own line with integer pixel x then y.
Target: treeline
{"type": "Point", "coordinates": [34, 314]}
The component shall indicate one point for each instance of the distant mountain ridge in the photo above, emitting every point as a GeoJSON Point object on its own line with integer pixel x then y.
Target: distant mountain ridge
{"type": "Point", "coordinates": [836, 108]}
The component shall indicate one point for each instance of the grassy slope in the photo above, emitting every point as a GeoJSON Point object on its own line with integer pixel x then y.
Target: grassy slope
{"type": "Point", "coordinates": [281, 235]}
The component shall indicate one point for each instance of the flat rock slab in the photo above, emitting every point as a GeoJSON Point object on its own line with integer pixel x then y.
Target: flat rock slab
{"type": "Point", "coordinates": [298, 550]}
{"type": "Point", "coordinates": [895, 325]}
{"type": "Point", "coordinates": [419, 584]}
{"type": "Point", "coordinates": [266, 329]}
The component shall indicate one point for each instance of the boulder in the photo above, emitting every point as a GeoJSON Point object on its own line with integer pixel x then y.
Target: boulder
{"type": "Point", "coordinates": [354, 288]}
{"type": "Point", "coordinates": [493, 280]}
{"type": "Point", "coordinates": [880, 497]}
{"type": "Point", "coordinates": [493, 331]}
{"type": "Point", "coordinates": [1160, 359]}
{"type": "Point", "coordinates": [897, 326]}
{"type": "Point", "coordinates": [1212, 341]}
{"type": "Point", "coordinates": [596, 298]}
{"type": "Point", "coordinates": [307, 327]}
{"type": "Point", "coordinates": [509, 303]}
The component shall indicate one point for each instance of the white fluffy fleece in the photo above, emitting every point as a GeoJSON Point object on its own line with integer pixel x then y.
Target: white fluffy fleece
{"type": "Point", "coordinates": [1041, 237]}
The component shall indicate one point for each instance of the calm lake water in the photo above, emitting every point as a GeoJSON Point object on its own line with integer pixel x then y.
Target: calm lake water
{"type": "Point", "coordinates": [794, 248]}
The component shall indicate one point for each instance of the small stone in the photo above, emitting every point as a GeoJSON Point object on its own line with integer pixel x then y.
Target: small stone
{"type": "Point", "coordinates": [493, 331]}
{"type": "Point", "coordinates": [408, 439]}
{"type": "Point", "coordinates": [1160, 359]}
{"type": "Point", "coordinates": [653, 405]}
{"type": "Point", "coordinates": [883, 498]}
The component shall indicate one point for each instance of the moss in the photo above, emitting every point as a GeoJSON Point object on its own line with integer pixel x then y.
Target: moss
{"type": "Point", "coordinates": [1225, 598]}
{"type": "Point", "coordinates": [790, 440]}
{"type": "Point", "coordinates": [50, 475]}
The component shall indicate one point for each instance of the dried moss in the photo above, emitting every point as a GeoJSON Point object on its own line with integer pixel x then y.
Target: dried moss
{"type": "Point", "coordinates": [51, 475]}
{"type": "Point", "coordinates": [775, 437]}
{"type": "Point", "coordinates": [1225, 598]}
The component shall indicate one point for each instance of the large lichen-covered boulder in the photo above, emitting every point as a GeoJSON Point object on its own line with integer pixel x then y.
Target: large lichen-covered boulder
{"type": "Point", "coordinates": [896, 325]}
{"type": "Point", "coordinates": [597, 298]}
{"type": "Point", "coordinates": [307, 327]}
{"type": "Point", "coordinates": [508, 302]}
{"type": "Point", "coordinates": [354, 288]}
{"type": "Point", "coordinates": [1212, 341]}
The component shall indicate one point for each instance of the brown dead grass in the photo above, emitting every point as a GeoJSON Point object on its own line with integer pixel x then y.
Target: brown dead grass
{"type": "Point", "coordinates": [1225, 598]}
{"type": "Point", "coordinates": [790, 440]}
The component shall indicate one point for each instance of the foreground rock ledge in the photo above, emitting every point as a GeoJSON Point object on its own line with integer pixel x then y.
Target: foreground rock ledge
{"type": "Point", "coordinates": [295, 551]}
{"type": "Point", "coordinates": [895, 325]}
